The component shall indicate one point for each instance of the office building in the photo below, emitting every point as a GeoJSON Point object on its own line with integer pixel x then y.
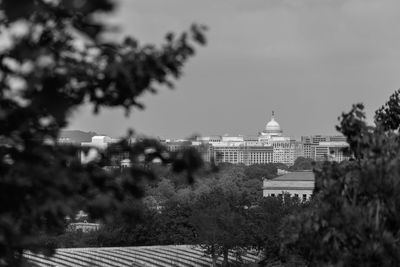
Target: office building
{"type": "Point", "coordinates": [324, 147]}
{"type": "Point", "coordinates": [331, 151]}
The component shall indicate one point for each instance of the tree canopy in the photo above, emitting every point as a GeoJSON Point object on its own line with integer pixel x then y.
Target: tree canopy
{"type": "Point", "coordinates": [301, 164]}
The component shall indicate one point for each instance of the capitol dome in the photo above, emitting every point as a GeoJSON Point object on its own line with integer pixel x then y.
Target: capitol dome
{"type": "Point", "coordinates": [273, 127]}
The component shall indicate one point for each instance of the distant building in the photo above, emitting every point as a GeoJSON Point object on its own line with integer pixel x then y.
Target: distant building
{"type": "Point", "coordinates": [84, 227]}
{"type": "Point", "coordinates": [296, 184]}
{"type": "Point", "coordinates": [65, 141]}
{"type": "Point", "coordinates": [99, 141]}
{"type": "Point", "coordinates": [204, 148]}
{"type": "Point", "coordinates": [176, 145]}
{"type": "Point", "coordinates": [324, 147]}
{"type": "Point", "coordinates": [270, 146]}
{"type": "Point", "coordinates": [331, 151]}
{"type": "Point", "coordinates": [102, 142]}
{"type": "Point", "coordinates": [243, 152]}
{"type": "Point", "coordinates": [285, 148]}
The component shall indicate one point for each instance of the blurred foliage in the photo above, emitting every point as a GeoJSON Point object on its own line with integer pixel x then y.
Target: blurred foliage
{"type": "Point", "coordinates": [354, 219]}
{"type": "Point", "coordinates": [53, 59]}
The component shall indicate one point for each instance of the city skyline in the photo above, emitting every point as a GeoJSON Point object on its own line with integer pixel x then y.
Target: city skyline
{"type": "Point", "coordinates": [272, 117]}
{"type": "Point", "coordinates": [270, 146]}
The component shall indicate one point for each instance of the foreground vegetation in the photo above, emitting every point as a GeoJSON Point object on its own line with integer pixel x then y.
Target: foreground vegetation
{"type": "Point", "coordinates": [222, 211]}
{"type": "Point", "coordinates": [56, 59]}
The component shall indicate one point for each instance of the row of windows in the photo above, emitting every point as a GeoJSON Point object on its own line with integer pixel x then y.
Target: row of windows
{"type": "Point", "coordinates": [304, 196]}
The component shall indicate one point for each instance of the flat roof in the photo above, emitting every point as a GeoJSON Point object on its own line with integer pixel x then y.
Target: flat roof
{"type": "Point", "coordinates": [296, 176]}
{"type": "Point", "coordinates": [288, 188]}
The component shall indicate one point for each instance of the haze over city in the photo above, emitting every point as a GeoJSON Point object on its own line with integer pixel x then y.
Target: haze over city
{"type": "Point", "coordinates": [307, 60]}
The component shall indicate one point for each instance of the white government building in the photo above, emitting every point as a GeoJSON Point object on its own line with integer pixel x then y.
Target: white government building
{"type": "Point", "coordinates": [297, 184]}
{"type": "Point", "coordinates": [270, 146]}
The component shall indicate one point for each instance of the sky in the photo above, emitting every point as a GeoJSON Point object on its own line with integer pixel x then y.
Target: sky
{"type": "Point", "coordinates": [308, 60]}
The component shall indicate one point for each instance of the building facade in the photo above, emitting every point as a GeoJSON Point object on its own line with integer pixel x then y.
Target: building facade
{"type": "Point", "coordinates": [324, 147]}
{"type": "Point", "coordinates": [269, 146]}
{"type": "Point", "coordinates": [331, 151]}
{"type": "Point", "coordinates": [296, 184]}
{"type": "Point", "coordinates": [272, 146]}
{"type": "Point", "coordinates": [83, 227]}
{"type": "Point", "coordinates": [242, 152]}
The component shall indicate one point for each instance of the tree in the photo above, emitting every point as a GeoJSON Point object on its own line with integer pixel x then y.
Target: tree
{"type": "Point", "coordinates": [163, 191]}
{"type": "Point", "coordinates": [354, 218]}
{"type": "Point", "coordinates": [301, 164]}
{"type": "Point", "coordinates": [55, 61]}
{"type": "Point", "coordinates": [259, 171]}
{"type": "Point", "coordinates": [174, 222]}
{"type": "Point", "coordinates": [220, 224]}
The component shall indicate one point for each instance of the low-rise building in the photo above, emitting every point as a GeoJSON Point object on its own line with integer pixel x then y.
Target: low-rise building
{"type": "Point", "coordinates": [84, 227]}
{"type": "Point", "coordinates": [297, 184]}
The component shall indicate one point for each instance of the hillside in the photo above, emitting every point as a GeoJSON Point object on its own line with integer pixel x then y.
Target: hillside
{"type": "Point", "coordinates": [77, 136]}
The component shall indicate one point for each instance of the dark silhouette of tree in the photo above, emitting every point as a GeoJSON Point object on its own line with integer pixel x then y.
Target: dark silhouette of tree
{"type": "Point", "coordinates": [355, 216]}
{"type": "Point", "coordinates": [301, 164]}
{"type": "Point", "coordinates": [259, 171]}
{"type": "Point", "coordinates": [53, 60]}
{"type": "Point", "coordinates": [220, 223]}
{"type": "Point", "coordinates": [388, 116]}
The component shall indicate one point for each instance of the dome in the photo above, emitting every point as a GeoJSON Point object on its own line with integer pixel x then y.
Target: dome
{"type": "Point", "coordinates": [273, 127]}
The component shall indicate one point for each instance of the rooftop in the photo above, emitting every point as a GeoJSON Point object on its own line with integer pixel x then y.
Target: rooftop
{"type": "Point", "coordinates": [296, 176]}
{"type": "Point", "coordinates": [168, 256]}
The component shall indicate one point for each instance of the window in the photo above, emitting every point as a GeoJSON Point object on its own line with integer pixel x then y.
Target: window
{"type": "Point", "coordinates": [304, 197]}
{"type": "Point", "coordinates": [296, 195]}
{"type": "Point", "coordinates": [272, 195]}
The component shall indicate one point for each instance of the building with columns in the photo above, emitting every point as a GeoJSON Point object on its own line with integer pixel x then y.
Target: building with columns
{"type": "Point", "coordinates": [269, 146]}
{"type": "Point", "coordinates": [285, 148]}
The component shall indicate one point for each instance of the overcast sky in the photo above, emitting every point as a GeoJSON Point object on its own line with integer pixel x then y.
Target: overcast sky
{"type": "Point", "coordinates": [308, 60]}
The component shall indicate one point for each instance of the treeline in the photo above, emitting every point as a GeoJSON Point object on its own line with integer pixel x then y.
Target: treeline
{"type": "Point", "coordinates": [218, 220]}
{"type": "Point", "coordinates": [221, 210]}
{"type": "Point", "coordinates": [242, 179]}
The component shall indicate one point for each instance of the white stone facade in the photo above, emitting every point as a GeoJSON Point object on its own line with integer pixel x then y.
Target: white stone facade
{"type": "Point", "coordinates": [296, 184]}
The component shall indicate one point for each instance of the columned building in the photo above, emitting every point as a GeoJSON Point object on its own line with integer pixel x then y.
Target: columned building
{"type": "Point", "coordinates": [285, 149]}
{"type": "Point", "coordinates": [269, 146]}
